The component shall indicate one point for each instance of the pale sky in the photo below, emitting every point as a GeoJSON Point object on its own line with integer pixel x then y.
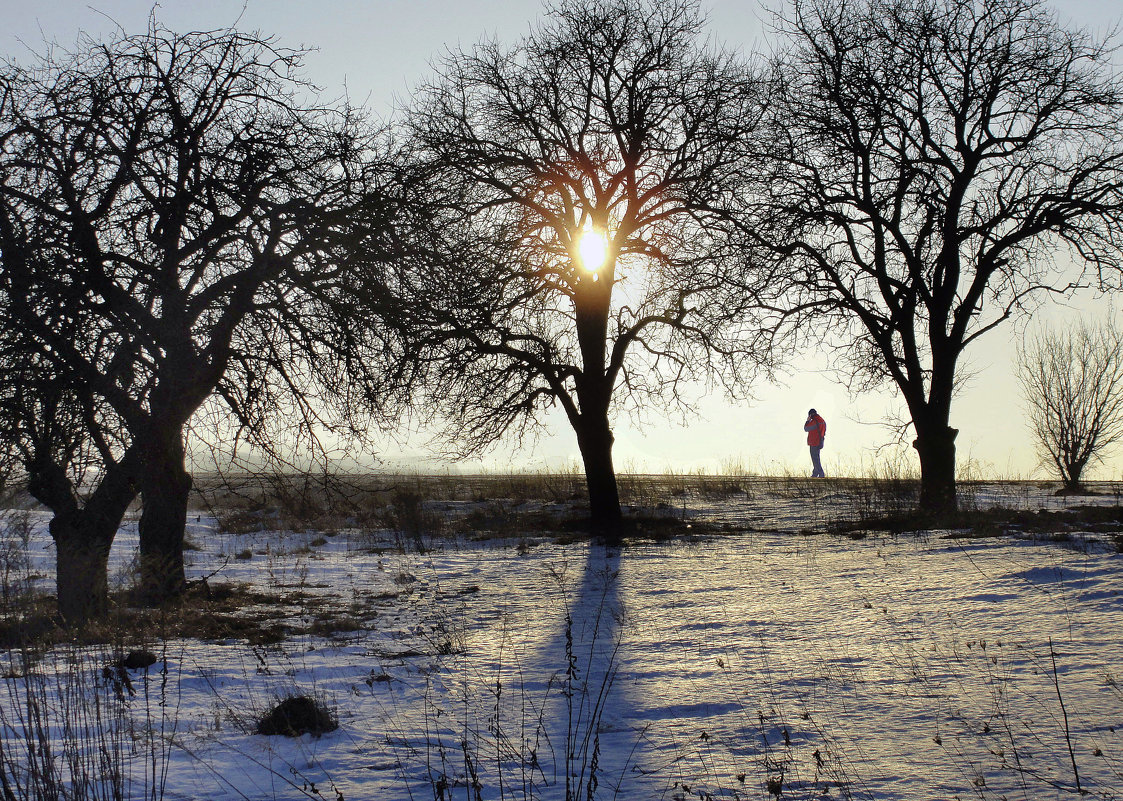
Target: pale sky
{"type": "Point", "coordinates": [378, 49]}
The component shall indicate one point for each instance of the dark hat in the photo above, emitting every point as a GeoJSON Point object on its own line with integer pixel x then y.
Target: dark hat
{"type": "Point", "coordinates": [810, 411]}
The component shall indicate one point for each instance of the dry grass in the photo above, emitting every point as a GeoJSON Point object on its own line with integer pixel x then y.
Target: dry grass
{"type": "Point", "coordinates": [208, 611]}
{"type": "Point", "coordinates": [418, 508]}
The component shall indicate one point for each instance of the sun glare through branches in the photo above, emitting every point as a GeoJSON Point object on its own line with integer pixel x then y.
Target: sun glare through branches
{"type": "Point", "coordinates": [592, 249]}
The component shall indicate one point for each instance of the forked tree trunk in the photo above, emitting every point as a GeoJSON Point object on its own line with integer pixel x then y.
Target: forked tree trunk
{"type": "Point", "coordinates": [1070, 475]}
{"type": "Point", "coordinates": [935, 445]}
{"type": "Point", "coordinates": [594, 438]}
{"type": "Point", "coordinates": [164, 489]}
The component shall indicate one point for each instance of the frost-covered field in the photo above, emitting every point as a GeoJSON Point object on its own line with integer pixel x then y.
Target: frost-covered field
{"type": "Point", "coordinates": [753, 664]}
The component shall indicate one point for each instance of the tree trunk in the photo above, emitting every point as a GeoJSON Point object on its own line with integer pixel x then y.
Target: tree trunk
{"type": "Point", "coordinates": [83, 534]}
{"type": "Point", "coordinates": [165, 486]}
{"type": "Point", "coordinates": [594, 437]}
{"type": "Point", "coordinates": [82, 546]}
{"type": "Point", "coordinates": [935, 445]}
{"type": "Point", "coordinates": [1071, 477]}
{"type": "Point", "coordinates": [594, 393]}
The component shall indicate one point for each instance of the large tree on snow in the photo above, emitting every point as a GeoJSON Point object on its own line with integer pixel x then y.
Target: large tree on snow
{"type": "Point", "coordinates": [940, 161]}
{"type": "Point", "coordinates": [575, 241]}
{"type": "Point", "coordinates": [168, 209]}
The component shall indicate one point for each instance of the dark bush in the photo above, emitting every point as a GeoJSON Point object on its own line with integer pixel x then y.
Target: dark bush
{"type": "Point", "coordinates": [298, 715]}
{"type": "Point", "coordinates": [139, 658]}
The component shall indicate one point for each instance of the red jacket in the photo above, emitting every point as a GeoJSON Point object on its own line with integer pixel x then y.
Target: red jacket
{"type": "Point", "coordinates": [816, 428]}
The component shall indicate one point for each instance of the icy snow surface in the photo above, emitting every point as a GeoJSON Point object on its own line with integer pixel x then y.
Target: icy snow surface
{"type": "Point", "coordinates": [734, 666]}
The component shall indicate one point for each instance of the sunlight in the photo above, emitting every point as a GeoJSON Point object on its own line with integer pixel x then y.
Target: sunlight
{"type": "Point", "coordinates": [592, 248]}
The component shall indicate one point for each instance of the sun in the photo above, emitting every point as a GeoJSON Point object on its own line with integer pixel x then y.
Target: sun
{"type": "Point", "coordinates": [592, 248]}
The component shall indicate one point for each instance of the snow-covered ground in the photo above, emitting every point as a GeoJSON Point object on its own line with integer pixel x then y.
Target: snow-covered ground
{"type": "Point", "coordinates": [754, 664]}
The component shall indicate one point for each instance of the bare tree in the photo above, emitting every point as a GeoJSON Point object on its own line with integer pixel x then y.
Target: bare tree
{"type": "Point", "coordinates": [577, 190]}
{"type": "Point", "coordinates": [171, 216]}
{"type": "Point", "coordinates": [49, 438]}
{"type": "Point", "coordinates": [943, 157]}
{"type": "Point", "coordinates": [1072, 381]}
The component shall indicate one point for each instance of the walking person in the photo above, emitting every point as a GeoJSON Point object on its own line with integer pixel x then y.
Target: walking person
{"type": "Point", "coordinates": [816, 428]}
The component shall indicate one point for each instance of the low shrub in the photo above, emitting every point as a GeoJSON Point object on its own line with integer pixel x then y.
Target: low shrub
{"type": "Point", "coordinates": [296, 716]}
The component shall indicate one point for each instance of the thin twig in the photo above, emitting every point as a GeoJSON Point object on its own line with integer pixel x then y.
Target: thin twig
{"type": "Point", "coordinates": [1064, 713]}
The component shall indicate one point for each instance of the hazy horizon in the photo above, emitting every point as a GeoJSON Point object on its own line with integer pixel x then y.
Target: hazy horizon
{"type": "Point", "coordinates": [375, 51]}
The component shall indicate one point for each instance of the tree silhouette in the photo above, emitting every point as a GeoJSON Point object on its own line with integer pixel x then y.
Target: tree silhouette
{"type": "Point", "coordinates": [575, 241]}
{"type": "Point", "coordinates": [1072, 381]}
{"type": "Point", "coordinates": [943, 158]}
{"type": "Point", "coordinates": [57, 432]}
{"type": "Point", "coordinates": [172, 210]}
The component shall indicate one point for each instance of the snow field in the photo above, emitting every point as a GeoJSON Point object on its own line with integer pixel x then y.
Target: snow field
{"type": "Point", "coordinates": [739, 666]}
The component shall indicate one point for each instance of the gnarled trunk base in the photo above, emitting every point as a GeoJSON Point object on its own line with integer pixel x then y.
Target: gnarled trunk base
{"type": "Point", "coordinates": [936, 449]}
{"type": "Point", "coordinates": [595, 441]}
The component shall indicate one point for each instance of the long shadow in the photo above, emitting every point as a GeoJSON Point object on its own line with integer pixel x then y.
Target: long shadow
{"type": "Point", "coordinates": [581, 720]}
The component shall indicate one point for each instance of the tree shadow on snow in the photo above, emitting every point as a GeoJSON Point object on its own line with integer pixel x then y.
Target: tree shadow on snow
{"type": "Point", "coordinates": [582, 718]}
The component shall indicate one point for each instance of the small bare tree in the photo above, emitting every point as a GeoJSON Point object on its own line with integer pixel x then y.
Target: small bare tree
{"type": "Point", "coordinates": [1072, 380]}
